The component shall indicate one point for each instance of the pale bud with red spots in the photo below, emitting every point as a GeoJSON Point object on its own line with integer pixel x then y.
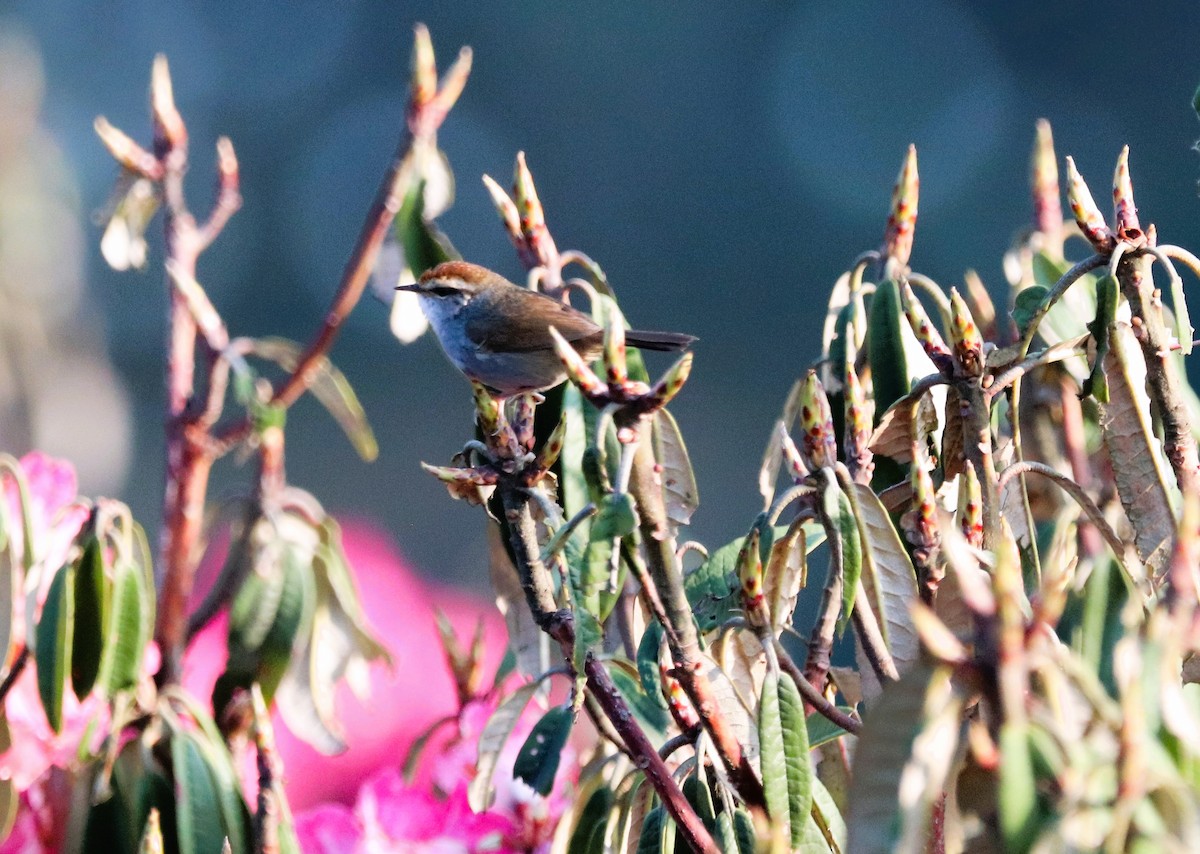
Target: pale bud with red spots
{"type": "Point", "coordinates": [970, 507]}
{"type": "Point", "coordinates": [928, 336]}
{"type": "Point", "coordinates": [677, 699]}
{"type": "Point", "coordinates": [902, 220]}
{"type": "Point", "coordinates": [966, 337]}
{"type": "Point", "coordinates": [1043, 179]}
{"type": "Point", "coordinates": [816, 420]}
{"type": "Point", "coordinates": [797, 467]}
{"type": "Point", "coordinates": [750, 575]}
{"type": "Point", "coordinates": [1124, 210]}
{"type": "Point", "coordinates": [532, 218]}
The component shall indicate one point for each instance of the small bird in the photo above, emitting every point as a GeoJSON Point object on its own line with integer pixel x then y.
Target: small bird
{"type": "Point", "coordinates": [498, 333]}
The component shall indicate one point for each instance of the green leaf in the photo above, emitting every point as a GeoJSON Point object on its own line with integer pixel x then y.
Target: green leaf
{"type": "Point", "coordinates": [293, 620]}
{"type": "Point", "coordinates": [197, 802]}
{"type": "Point", "coordinates": [771, 751]}
{"type": "Point", "coordinates": [125, 644]}
{"type": "Point", "coordinates": [695, 789]}
{"type": "Point", "coordinates": [822, 730]}
{"type": "Point", "coordinates": [647, 664]}
{"type": "Point", "coordinates": [795, 751]}
{"type": "Point", "coordinates": [1026, 305]}
{"type": "Point", "coordinates": [592, 818]}
{"type": "Point", "coordinates": [55, 641]}
{"type": "Point", "coordinates": [743, 830]}
{"type": "Point", "coordinates": [91, 617]}
{"type": "Point", "coordinates": [615, 517]}
{"type": "Point", "coordinates": [837, 507]}
{"type": "Point", "coordinates": [713, 589]}
{"type": "Point", "coordinates": [885, 346]}
{"type": "Point", "coordinates": [1108, 296]}
{"type": "Point", "coordinates": [424, 246]}
{"type": "Point", "coordinates": [492, 740]}
{"type": "Point", "coordinates": [650, 841]}
{"type": "Point", "coordinates": [827, 817]}
{"type": "Point", "coordinates": [537, 763]}
{"type": "Point", "coordinates": [588, 635]}
{"type": "Point", "coordinates": [330, 387]}
{"type": "Point", "coordinates": [650, 714]}
{"type": "Point", "coordinates": [1017, 795]}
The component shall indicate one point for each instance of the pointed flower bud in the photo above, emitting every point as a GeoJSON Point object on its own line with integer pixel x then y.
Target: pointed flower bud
{"type": "Point", "coordinates": [672, 382]}
{"type": "Point", "coordinates": [923, 328]}
{"type": "Point", "coordinates": [1043, 178]}
{"type": "Point", "coordinates": [577, 369]}
{"type": "Point", "coordinates": [533, 219]}
{"type": "Point", "coordinates": [750, 574]}
{"type": "Point", "coordinates": [614, 346]}
{"type": "Point", "coordinates": [487, 410]}
{"type": "Point", "coordinates": [473, 485]}
{"type": "Point", "coordinates": [550, 451]}
{"type": "Point", "coordinates": [453, 84]}
{"type": "Point", "coordinates": [1124, 210]}
{"type": "Point", "coordinates": [970, 507]}
{"type": "Point", "coordinates": [1087, 215]}
{"type": "Point", "coordinates": [791, 454]}
{"type": "Point", "coordinates": [152, 838]}
{"type": "Point", "coordinates": [816, 420]}
{"type": "Point", "coordinates": [131, 156]}
{"type": "Point", "coordinates": [980, 301]}
{"type": "Point", "coordinates": [522, 420]}
{"type": "Point", "coordinates": [902, 221]}
{"type": "Point", "coordinates": [424, 68]}
{"type": "Point", "coordinates": [228, 177]}
{"type": "Point", "coordinates": [859, 459]}
{"type": "Point", "coordinates": [968, 342]}
{"type": "Point", "coordinates": [677, 699]}
{"type": "Point", "coordinates": [508, 212]}
{"type": "Point", "coordinates": [921, 528]}
{"type": "Point", "coordinates": [169, 129]}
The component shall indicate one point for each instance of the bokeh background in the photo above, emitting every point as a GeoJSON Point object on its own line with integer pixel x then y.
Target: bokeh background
{"type": "Point", "coordinates": [723, 161]}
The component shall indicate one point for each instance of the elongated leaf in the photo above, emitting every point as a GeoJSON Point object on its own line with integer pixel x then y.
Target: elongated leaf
{"type": "Point", "coordinates": [590, 824]}
{"type": "Point", "coordinates": [125, 644]}
{"type": "Point", "coordinates": [743, 831]}
{"type": "Point", "coordinates": [615, 517]}
{"type": "Point", "coordinates": [822, 730]}
{"type": "Point", "coordinates": [1017, 796]}
{"type": "Point", "coordinates": [650, 714]}
{"type": "Point", "coordinates": [538, 761]}
{"type": "Point", "coordinates": [91, 617]}
{"type": "Point", "coordinates": [889, 578]}
{"type": "Point", "coordinates": [740, 654]}
{"type": "Point", "coordinates": [772, 756]}
{"type": "Point", "coordinates": [1141, 476]}
{"type": "Point", "coordinates": [197, 802]}
{"type": "Point", "coordinates": [492, 740]}
{"type": "Point", "coordinates": [55, 643]}
{"type": "Point", "coordinates": [785, 574]}
{"type": "Point", "coordinates": [885, 346]}
{"type": "Point", "coordinates": [827, 817]}
{"type": "Point", "coordinates": [795, 753]}
{"type": "Point", "coordinates": [680, 493]}
{"type": "Point", "coordinates": [695, 789]}
{"type": "Point", "coordinates": [330, 387]}
{"type": "Point", "coordinates": [292, 622]}
{"type": "Point", "coordinates": [841, 514]}
{"type": "Point", "coordinates": [647, 664]}
{"type": "Point", "coordinates": [650, 840]}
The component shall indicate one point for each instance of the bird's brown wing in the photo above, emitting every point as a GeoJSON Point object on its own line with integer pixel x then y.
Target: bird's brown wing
{"type": "Point", "coordinates": [526, 330]}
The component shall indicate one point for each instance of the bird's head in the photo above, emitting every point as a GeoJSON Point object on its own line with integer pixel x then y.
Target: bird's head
{"type": "Point", "coordinates": [457, 281]}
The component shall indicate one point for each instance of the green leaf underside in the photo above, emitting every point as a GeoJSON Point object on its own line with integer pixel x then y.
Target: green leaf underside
{"type": "Point", "coordinates": [54, 636]}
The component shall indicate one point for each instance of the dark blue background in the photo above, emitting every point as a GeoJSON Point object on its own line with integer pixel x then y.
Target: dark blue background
{"type": "Point", "coordinates": [724, 162]}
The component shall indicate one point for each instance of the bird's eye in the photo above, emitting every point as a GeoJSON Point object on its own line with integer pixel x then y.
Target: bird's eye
{"type": "Point", "coordinates": [443, 291]}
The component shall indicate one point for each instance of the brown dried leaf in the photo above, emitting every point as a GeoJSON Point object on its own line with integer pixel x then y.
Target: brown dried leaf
{"type": "Point", "coordinates": [906, 419]}
{"type": "Point", "coordinates": [889, 578]}
{"type": "Point", "coordinates": [1141, 477]}
{"type": "Point", "coordinates": [953, 461]}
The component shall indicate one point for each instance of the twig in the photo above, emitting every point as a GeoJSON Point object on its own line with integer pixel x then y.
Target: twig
{"type": "Point", "coordinates": [1060, 287]}
{"type": "Point", "coordinates": [1162, 379]}
{"type": "Point", "coordinates": [14, 672]}
{"type": "Point", "coordinates": [539, 593]}
{"type": "Point", "coordinates": [820, 646]}
{"type": "Point", "coordinates": [1056, 353]}
{"type": "Point", "coordinates": [675, 742]}
{"type": "Point", "coordinates": [646, 487]}
{"type": "Point", "coordinates": [812, 695]}
{"type": "Point", "coordinates": [1077, 492]}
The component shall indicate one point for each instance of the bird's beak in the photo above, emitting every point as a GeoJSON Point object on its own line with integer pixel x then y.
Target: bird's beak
{"type": "Point", "coordinates": [415, 287]}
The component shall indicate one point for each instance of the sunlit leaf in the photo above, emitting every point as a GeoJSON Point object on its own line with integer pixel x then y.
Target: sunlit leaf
{"type": "Point", "coordinates": [128, 630]}
{"type": "Point", "coordinates": [795, 751]}
{"type": "Point", "coordinates": [680, 493]}
{"type": "Point", "coordinates": [772, 755]}
{"type": "Point", "coordinates": [1139, 471]}
{"type": "Point", "coordinates": [330, 387]}
{"type": "Point", "coordinates": [889, 578]}
{"type": "Point", "coordinates": [840, 513]}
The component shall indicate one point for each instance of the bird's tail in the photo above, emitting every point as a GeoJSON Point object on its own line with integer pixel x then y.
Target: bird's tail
{"type": "Point", "coordinates": [664, 341]}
